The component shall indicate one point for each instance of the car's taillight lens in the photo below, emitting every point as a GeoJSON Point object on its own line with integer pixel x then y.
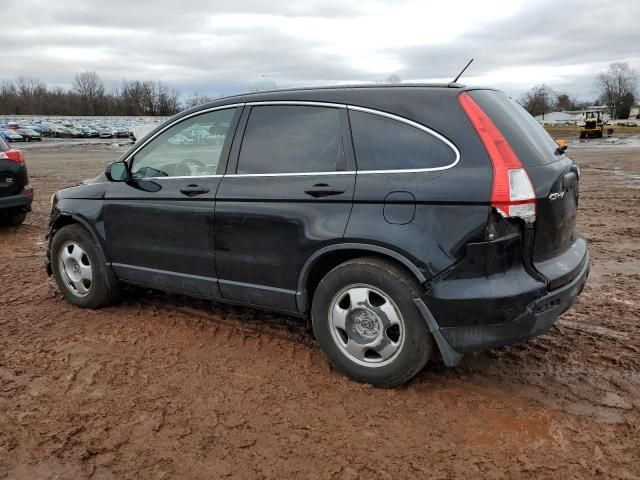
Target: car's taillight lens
{"type": "Point", "coordinates": [512, 193]}
{"type": "Point", "coordinates": [12, 155]}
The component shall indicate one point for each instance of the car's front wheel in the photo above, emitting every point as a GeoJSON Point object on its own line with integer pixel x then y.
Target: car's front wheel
{"type": "Point", "coordinates": [367, 323]}
{"type": "Point", "coordinates": [81, 270]}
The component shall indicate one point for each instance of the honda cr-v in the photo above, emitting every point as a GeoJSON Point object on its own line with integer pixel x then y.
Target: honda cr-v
{"type": "Point", "coordinates": [396, 219]}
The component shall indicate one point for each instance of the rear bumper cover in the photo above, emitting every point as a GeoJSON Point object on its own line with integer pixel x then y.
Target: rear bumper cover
{"type": "Point", "coordinates": [471, 314]}
{"type": "Point", "coordinates": [17, 201]}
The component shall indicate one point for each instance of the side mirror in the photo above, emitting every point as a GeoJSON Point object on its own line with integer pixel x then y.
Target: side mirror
{"type": "Point", "coordinates": [117, 172]}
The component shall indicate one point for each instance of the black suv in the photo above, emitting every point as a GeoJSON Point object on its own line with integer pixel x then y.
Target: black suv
{"type": "Point", "coordinates": [394, 218]}
{"type": "Point", "coordinates": [16, 195]}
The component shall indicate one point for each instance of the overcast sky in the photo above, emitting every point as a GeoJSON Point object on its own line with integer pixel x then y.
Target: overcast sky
{"type": "Point", "coordinates": [221, 47]}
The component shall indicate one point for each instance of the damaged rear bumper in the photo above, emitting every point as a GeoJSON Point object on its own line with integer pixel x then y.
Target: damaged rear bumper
{"type": "Point", "coordinates": [467, 313]}
{"type": "Point", "coordinates": [20, 201]}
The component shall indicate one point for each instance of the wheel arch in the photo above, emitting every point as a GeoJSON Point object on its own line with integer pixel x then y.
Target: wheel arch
{"type": "Point", "coordinates": [327, 258]}
{"type": "Point", "coordinates": [67, 218]}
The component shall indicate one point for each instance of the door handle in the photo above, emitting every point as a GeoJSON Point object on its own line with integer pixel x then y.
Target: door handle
{"type": "Point", "coordinates": [193, 190]}
{"type": "Point", "coordinates": [323, 190]}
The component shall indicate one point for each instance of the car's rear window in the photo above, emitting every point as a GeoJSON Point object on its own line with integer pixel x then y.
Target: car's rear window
{"type": "Point", "coordinates": [383, 143]}
{"type": "Point", "coordinates": [531, 142]}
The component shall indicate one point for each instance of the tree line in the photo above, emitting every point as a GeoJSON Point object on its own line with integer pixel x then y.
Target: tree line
{"type": "Point", "coordinates": [616, 88]}
{"type": "Point", "coordinates": [87, 96]}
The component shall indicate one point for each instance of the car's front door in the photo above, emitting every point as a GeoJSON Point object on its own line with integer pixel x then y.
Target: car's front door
{"type": "Point", "coordinates": [159, 225]}
{"type": "Point", "coordinates": [287, 193]}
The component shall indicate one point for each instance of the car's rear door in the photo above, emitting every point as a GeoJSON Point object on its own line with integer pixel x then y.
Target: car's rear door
{"type": "Point", "coordinates": [287, 193]}
{"type": "Point", "coordinates": [159, 225]}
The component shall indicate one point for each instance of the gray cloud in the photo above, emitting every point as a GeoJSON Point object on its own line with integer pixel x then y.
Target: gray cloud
{"type": "Point", "coordinates": [221, 47]}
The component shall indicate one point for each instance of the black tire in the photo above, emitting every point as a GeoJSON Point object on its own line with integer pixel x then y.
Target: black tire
{"type": "Point", "coordinates": [401, 289]}
{"type": "Point", "coordinates": [16, 218]}
{"type": "Point", "coordinates": [103, 288]}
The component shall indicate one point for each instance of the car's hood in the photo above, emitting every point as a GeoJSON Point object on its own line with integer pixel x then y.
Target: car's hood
{"type": "Point", "coordinates": [92, 188]}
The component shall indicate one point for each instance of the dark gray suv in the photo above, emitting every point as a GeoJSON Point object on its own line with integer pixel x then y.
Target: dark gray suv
{"type": "Point", "coordinates": [396, 219]}
{"type": "Point", "coordinates": [16, 194]}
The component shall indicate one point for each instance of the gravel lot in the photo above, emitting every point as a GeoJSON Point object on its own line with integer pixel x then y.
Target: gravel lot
{"type": "Point", "coordinates": [162, 386]}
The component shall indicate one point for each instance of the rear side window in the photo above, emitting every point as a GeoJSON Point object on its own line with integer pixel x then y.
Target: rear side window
{"type": "Point", "coordinates": [383, 143]}
{"type": "Point", "coordinates": [531, 142]}
{"type": "Point", "coordinates": [291, 139]}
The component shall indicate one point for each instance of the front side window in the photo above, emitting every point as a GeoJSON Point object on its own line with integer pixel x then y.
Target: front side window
{"type": "Point", "coordinates": [291, 139]}
{"type": "Point", "coordinates": [382, 143]}
{"type": "Point", "coordinates": [189, 148]}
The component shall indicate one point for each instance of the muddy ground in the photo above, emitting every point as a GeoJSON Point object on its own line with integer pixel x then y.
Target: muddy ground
{"type": "Point", "coordinates": [162, 386]}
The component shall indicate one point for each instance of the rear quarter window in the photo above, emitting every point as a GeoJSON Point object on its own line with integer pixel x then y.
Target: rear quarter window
{"type": "Point", "coordinates": [383, 143]}
{"type": "Point", "coordinates": [531, 142]}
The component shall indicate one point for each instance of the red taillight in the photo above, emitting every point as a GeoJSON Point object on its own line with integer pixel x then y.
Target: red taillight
{"type": "Point", "coordinates": [12, 155]}
{"type": "Point", "coordinates": [512, 193]}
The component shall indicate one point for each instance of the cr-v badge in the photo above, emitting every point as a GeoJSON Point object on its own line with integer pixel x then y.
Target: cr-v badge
{"type": "Point", "coordinates": [556, 196]}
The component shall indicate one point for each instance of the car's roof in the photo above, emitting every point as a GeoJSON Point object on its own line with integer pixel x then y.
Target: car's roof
{"type": "Point", "coordinates": [328, 93]}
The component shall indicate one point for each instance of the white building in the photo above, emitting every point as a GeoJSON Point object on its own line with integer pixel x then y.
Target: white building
{"type": "Point", "coordinates": [571, 117]}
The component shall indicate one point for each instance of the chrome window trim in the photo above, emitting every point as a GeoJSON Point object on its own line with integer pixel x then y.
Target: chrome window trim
{"type": "Point", "coordinates": [183, 177]}
{"type": "Point", "coordinates": [372, 111]}
{"type": "Point", "coordinates": [297, 102]}
{"type": "Point", "coordinates": [289, 174]}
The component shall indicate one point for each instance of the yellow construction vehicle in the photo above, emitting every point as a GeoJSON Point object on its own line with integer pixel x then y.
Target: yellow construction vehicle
{"type": "Point", "coordinates": [593, 125]}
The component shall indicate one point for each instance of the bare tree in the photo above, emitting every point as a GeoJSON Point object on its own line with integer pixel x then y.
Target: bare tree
{"type": "Point", "coordinates": [566, 102]}
{"type": "Point", "coordinates": [89, 87]}
{"type": "Point", "coordinates": [615, 86]}
{"type": "Point", "coordinates": [149, 97]}
{"type": "Point", "coordinates": [539, 100]}
{"type": "Point", "coordinates": [9, 101]}
{"type": "Point", "coordinates": [31, 96]}
{"type": "Point", "coordinates": [167, 100]}
{"type": "Point", "coordinates": [197, 99]}
{"type": "Point", "coordinates": [31, 92]}
{"type": "Point", "coordinates": [393, 79]}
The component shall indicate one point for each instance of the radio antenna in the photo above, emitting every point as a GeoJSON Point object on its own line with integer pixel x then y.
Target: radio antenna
{"type": "Point", "coordinates": [460, 74]}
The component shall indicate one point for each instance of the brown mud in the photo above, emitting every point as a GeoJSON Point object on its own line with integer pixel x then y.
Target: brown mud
{"type": "Point", "coordinates": [162, 386]}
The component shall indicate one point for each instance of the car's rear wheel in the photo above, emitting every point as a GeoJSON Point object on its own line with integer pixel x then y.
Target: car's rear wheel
{"type": "Point", "coordinates": [81, 270]}
{"type": "Point", "coordinates": [367, 323]}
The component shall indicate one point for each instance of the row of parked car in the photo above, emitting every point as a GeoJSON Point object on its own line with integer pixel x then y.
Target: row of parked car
{"type": "Point", "coordinates": [23, 134]}
{"type": "Point", "coordinates": [15, 132]}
